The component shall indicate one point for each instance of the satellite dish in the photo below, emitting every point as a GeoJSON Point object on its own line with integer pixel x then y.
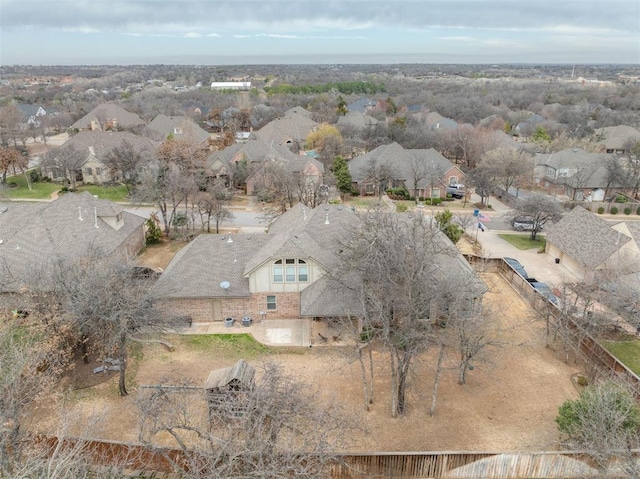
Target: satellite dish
{"type": "Point", "coordinates": [225, 285]}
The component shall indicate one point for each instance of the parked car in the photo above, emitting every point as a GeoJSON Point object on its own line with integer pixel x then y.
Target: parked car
{"type": "Point", "coordinates": [456, 191]}
{"type": "Point", "coordinates": [544, 290]}
{"type": "Point", "coordinates": [515, 265]}
{"type": "Point", "coordinates": [523, 223]}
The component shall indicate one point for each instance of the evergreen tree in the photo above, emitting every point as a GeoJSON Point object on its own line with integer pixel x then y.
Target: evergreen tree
{"type": "Point", "coordinates": [343, 176]}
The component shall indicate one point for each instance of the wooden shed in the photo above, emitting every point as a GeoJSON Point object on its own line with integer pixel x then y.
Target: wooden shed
{"type": "Point", "coordinates": [227, 389]}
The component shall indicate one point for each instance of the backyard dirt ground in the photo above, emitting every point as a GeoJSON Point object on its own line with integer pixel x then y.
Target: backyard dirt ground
{"type": "Point", "coordinates": [508, 404]}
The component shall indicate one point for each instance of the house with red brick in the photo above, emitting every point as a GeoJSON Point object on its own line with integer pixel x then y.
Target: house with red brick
{"type": "Point", "coordinates": [424, 173]}
{"type": "Point", "coordinates": [281, 274]}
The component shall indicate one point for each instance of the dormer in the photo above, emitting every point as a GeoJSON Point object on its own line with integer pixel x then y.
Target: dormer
{"type": "Point", "coordinates": [114, 217]}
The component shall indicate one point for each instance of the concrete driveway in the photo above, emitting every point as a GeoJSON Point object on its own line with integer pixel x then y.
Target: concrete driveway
{"type": "Point", "coordinates": [539, 265]}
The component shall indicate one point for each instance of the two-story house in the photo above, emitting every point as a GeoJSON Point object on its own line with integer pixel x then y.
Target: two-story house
{"type": "Point", "coordinates": [577, 174]}
{"type": "Point", "coordinates": [282, 274]}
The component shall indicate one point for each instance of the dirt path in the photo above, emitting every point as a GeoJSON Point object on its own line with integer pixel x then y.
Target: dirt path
{"type": "Point", "coordinates": [508, 403]}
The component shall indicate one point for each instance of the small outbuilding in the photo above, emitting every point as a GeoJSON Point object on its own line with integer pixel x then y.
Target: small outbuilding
{"type": "Point", "coordinates": [227, 389]}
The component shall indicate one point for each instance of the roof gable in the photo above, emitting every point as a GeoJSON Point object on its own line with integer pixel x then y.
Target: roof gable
{"type": "Point", "coordinates": [586, 238]}
{"type": "Point", "coordinates": [107, 112]}
{"type": "Point", "coordinates": [163, 126]}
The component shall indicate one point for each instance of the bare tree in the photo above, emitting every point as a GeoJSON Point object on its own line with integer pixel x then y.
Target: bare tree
{"type": "Point", "coordinates": [173, 180]}
{"type": "Point", "coordinates": [382, 175]}
{"type": "Point", "coordinates": [12, 160]}
{"type": "Point", "coordinates": [10, 119]}
{"type": "Point", "coordinates": [483, 179]}
{"type": "Point", "coordinates": [65, 161]}
{"type": "Point", "coordinates": [541, 209]}
{"type": "Point", "coordinates": [213, 204]}
{"type": "Point", "coordinates": [510, 167]}
{"type": "Point", "coordinates": [31, 362]}
{"type": "Point", "coordinates": [395, 265]}
{"type": "Point", "coordinates": [283, 430]}
{"type": "Point", "coordinates": [126, 161]}
{"type": "Point", "coordinates": [276, 187]}
{"type": "Point", "coordinates": [106, 303]}
{"type": "Point", "coordinates": [632, 167]}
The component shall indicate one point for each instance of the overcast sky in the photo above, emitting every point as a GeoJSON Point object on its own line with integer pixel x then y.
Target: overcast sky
{"type": "Point", "coordinates": [47, 32]}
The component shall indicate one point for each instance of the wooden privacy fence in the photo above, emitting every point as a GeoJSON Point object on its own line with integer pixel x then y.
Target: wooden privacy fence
{"type": "Point", "coordinates": [402, 464]}
{"type": "Point", "coordinates": [137, 458]}
{"type": "Point", "coordinates": [592, 351]}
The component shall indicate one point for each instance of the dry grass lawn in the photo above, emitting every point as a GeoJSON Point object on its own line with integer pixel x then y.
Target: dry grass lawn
{"type": "Point", "coordinates": [508, 404]}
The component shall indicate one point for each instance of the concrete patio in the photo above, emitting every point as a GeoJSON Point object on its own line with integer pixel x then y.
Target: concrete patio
{"type": "Point", "coordinates": [270, 332]}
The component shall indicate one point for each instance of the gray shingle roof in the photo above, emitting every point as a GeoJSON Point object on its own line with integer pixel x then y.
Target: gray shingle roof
{"type": "Point", "coordinates": [400, 161]}
{"type": "Point", "coordinates": [592, 167]}
{"type": "Point", "coordinates": [616, 137]}
{"type": "Point", "coordinates": [357, 119]}
{"type": "Point", "coordinates": [102, 142]}
{"type": "Point", "coordinates": [294, 126]}
{"type": "Point", "coordinates": [197, 270]}
{"type": "Point", "coordinates": [33, 235]}
{"type": "Point", "coordinates": [109, 111]}
{"type": "Point", "coordinates": [326, 298]}
{"type": "Point", "coordinates": [361, 105]}
{"type": "Point", "coordinates": [569, 158]}
{"type": "Point", "coordinates": [303, 232]}
{"type": "Point", "coordinates": [254, 150]}
{"type": "Point", "coordinates": [585, 237]}
{"type": "Point", "coordinates": [181, 127]}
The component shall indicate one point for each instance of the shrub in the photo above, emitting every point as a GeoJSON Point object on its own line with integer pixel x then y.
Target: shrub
{"type": "Point", "coordinates": [35, 176]}
{"type": "Point", "coordinates": [627, 210]}
{"type": "Point", "coordinates": [638, 211]}
{"type": "Point", "coordinates": [398, 193]}
{"type": "Point", "coordinates": [401, 207]}
{"type": "Point", "coordinates": [621, 199]}
{"type": "Point", "coordinates": [436, 201]}
{"type": "Point", "coordinates": [600, 210]}
{"type": "Point", "coordinates": [614, 210]}
{"type": "Point", "coordinates": [153, 233]}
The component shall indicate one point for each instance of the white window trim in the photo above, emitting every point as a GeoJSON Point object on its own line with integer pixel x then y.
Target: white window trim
{"type": "Point", "coordinates": [284, 266]}
{"type": "Point", "coordinates": [275, 302]}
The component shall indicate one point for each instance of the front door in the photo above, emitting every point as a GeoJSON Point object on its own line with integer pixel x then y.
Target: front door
{"type": "Point", "coordinates": [216, 309]}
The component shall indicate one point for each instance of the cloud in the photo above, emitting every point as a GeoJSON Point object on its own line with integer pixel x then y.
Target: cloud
{"type": "Point", "coordinates": [303, 15]}
{"type": "Point", "coordinates": [192, 35]}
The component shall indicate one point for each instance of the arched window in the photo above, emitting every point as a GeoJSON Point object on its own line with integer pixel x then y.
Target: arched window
{"type": "Point", "coordinates": [290, 270]}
